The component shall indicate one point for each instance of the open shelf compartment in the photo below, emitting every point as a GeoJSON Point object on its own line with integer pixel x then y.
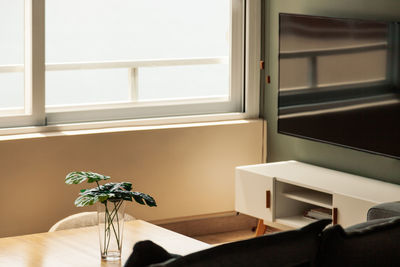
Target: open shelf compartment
{"type": "Point", "coordinates": [310, 196]}
{"type": "Point", "coordinates": [293, 201]}
{"type": "Point", "coordinates": [296, 221]}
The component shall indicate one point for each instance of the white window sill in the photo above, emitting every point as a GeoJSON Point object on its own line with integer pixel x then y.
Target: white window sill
{"type": "Point", "coordinates": [123, 126]}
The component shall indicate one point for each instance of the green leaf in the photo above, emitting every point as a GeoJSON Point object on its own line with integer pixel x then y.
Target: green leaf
{"type": "Point", "coordinates": [86, 200]}
{"type": "Point", "coordinates": [103, 197]}
{"type": "Point", "coordinates": [111, 195]}
{"type": "Point", "coordinates": [75, 178]}
{"type": "Point", "coordinates": [109, 191]}
{"type": "Point", "coordinates": [95, 177]}
{"type": "Point", "coordinates": [144, 199]}
{"type": "Point", "coordinates": [124, 186]}
{"type": "Point", "coordinates": [121, 194]}
{"type": "Point", "coordinates": [79, 177]}
{"type": "Point", "coordinates": [149, 200]}
{"type": "Point", "coordinates": [127, 186]}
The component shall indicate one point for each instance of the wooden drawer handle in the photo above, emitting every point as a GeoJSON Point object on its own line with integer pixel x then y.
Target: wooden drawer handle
{"type": "Point", "coordinates": [268, 199]}
{"type": "Point", "coordinates": [334, 215]}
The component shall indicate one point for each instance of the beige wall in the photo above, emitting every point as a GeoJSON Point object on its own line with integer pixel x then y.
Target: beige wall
{"type": "Point", "coordinates": [188, 170]}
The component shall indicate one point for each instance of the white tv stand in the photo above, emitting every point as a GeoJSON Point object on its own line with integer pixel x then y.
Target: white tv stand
{"type": "Point", "coordinates": [279, 193]}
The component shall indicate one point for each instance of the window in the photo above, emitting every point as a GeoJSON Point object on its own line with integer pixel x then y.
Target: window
{"type": "Point", "coordinates": [12, 37]}
{"type": "Point", "coordinates": [98, 60]}
{"type": "Point", "coordinates": [21, 62]}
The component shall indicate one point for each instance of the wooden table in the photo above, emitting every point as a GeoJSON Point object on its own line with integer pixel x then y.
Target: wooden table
{"type": "Point", "coordinates": [80, 247]}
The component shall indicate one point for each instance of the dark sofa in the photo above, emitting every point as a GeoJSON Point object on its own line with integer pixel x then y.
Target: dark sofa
{"type": "Point", "coordinates": [373, 243]}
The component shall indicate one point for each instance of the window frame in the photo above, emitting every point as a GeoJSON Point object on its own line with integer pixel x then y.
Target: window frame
{"type": "Point", "coordinates": [39, 120]}
{"type": "Point", "coordinates": [34, 111]}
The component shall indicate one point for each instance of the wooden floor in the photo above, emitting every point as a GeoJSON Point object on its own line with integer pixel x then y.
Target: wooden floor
{"type": "Point", "coordinates": [218, 230]}
{"type": "Point", "coordinates": [219, 238]}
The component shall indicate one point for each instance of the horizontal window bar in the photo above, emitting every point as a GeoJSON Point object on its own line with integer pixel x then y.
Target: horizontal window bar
{"type": "Point", "coordinates": [132, 104]}
{"type": "Point", "coordinates": [122, 64]}
{"type": "Point", "coordinates": [12, 68]}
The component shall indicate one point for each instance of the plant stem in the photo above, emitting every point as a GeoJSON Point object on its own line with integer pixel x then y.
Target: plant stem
{"type": "Point", "coordinates": [109, 223]}
{"type": "Point", "coordinates": [105, 228]}
{"type": "Point", "coordinates": [118, 238]}
{"type": "Point", "coordinates": [112, 224]}
{"type": "Point", "coordinates": [114, 212]}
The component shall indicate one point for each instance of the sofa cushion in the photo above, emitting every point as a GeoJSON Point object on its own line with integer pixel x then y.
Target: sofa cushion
{"type": "Point", "coordinates": [368, 226]}
{"type": "Point", "coordinates": [146, 253]}
{"type": "Point", "coordinates": [374, 243]}
{"type": "Point", "coordinates": [289, 248]}
{"type": "Point", "coordinates": [384, 210]}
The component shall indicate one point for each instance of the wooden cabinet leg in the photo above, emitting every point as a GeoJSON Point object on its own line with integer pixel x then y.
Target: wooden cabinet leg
{"type": "Point", "coordinates": [334, 216]}
{"type": "Point", "coordinates": [261, 228]}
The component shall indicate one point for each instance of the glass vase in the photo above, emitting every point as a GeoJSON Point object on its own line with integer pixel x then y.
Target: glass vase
{"type": "Point", "coordinates": [111, 215]}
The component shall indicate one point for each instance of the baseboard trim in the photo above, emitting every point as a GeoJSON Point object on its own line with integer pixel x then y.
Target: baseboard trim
{"type": "Point", "coordinates": [196, 217]}
{"type": "Point", "coordinates": [209, 224]}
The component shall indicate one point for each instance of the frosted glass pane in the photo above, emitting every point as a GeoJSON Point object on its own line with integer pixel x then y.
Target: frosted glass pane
{"type": "Point", "coordinates": [87, 87]}
{"type": "Point", "coordinates": [184, 82]}
{"type": "Point", "coordinates": [127, 30]}
{"type": "Point", "coordinates": [98, 30]}
{"type": "Point", "coordinates": [11, 53]}
{"type": "Point", "coordinates": [12, 90]}
{"type": "Point", "coordinates": [11, 32]}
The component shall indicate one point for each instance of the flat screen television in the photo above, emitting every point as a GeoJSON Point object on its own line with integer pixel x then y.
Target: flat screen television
{"type": "Point", "coordinates": [339, 82]}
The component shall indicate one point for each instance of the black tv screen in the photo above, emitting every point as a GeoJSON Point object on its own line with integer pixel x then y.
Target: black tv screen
{"type": "Point", "coordinates": [339, 82]}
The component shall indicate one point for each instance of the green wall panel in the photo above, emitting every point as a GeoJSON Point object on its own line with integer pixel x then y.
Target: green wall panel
{"type": "Point", "coordinates": [282, 147]}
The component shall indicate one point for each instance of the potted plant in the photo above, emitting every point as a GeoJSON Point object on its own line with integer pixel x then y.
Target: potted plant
{"type": "Point", "coordinates": [110, 208]}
